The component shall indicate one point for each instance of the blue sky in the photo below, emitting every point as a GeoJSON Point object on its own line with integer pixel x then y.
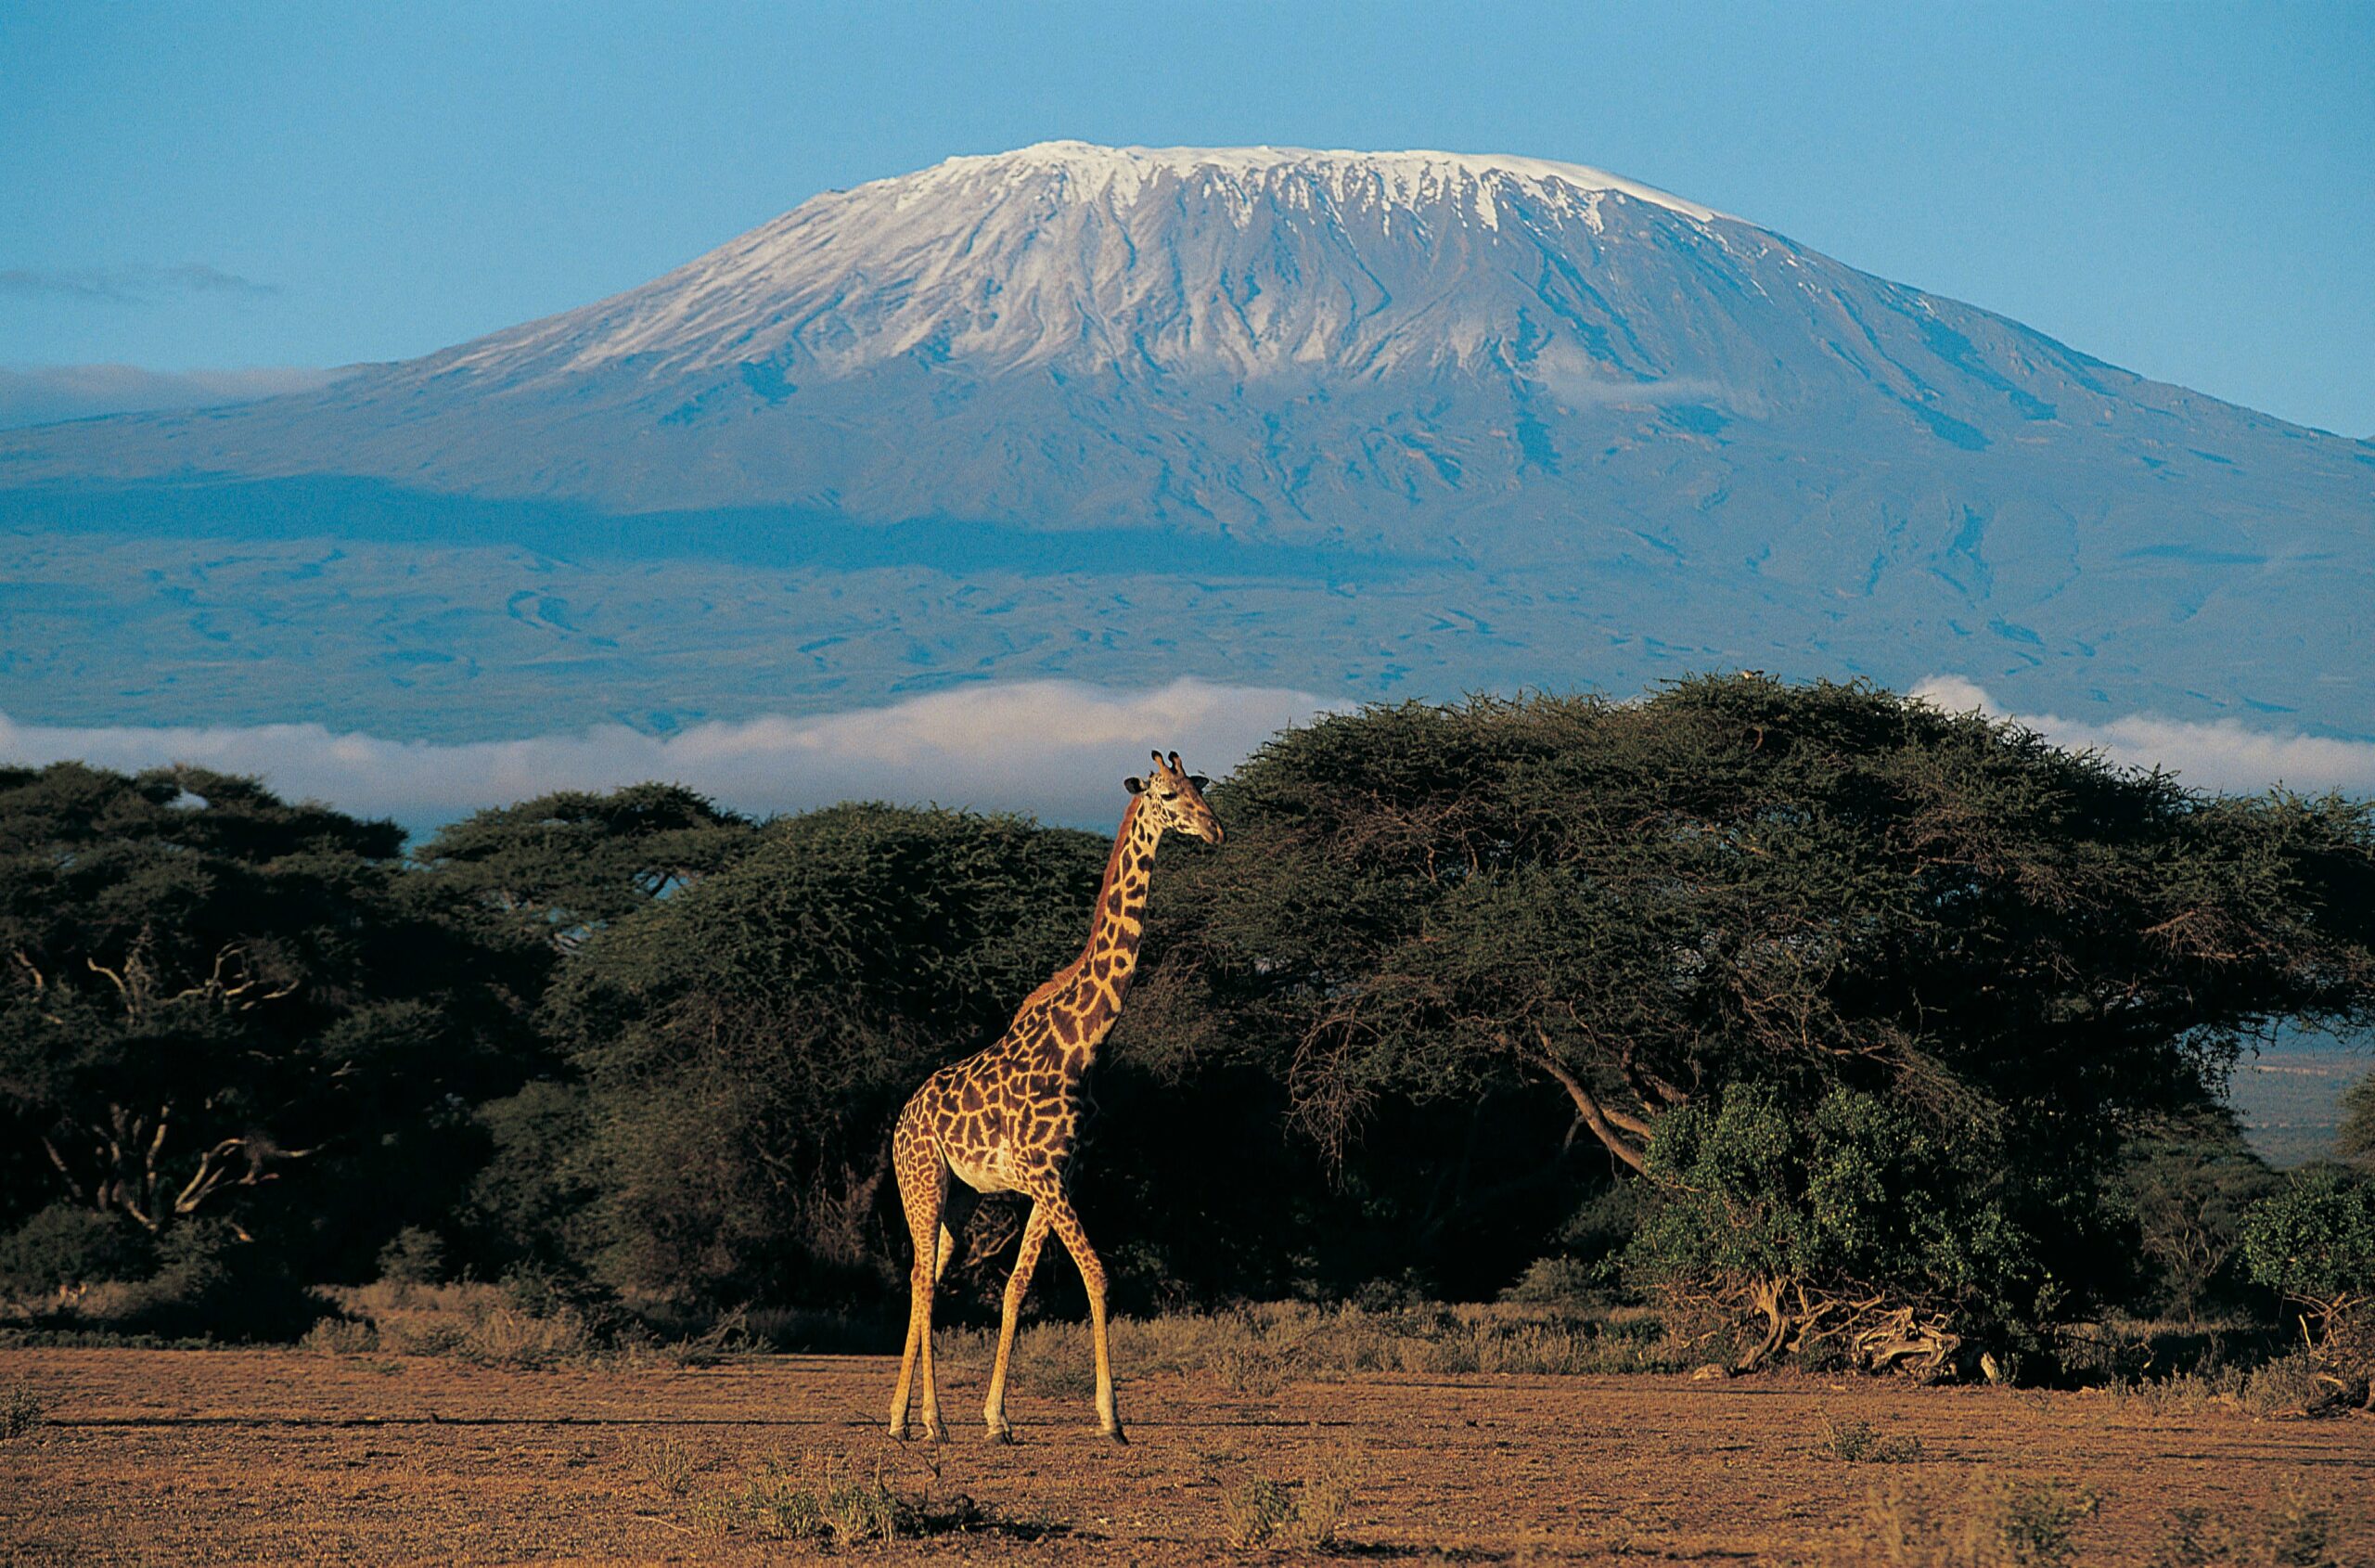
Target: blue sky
{"type": "Point", "coordinates": [2187, 190]}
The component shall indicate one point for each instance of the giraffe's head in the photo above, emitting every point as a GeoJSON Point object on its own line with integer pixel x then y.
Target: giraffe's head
{"type": "Point", "coordinates": [1177, 798]}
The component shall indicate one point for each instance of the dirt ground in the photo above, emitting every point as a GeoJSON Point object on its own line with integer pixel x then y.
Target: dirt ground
{"type": "Point", "coordinates": [268, 1456]}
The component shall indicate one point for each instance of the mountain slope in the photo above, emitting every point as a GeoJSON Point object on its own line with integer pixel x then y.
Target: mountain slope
{"type": "Point", "coordinates": [1525, 379]}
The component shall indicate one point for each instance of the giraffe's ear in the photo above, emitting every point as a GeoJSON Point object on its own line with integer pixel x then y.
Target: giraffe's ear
{"type": "Point", "coordinates": [1198, 783]}
{"type": "Point", "coordinates": [1134, 785]}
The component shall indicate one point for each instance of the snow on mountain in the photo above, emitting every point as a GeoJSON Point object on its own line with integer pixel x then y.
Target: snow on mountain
{"type": "Point", "coordinates": [1074, 257]}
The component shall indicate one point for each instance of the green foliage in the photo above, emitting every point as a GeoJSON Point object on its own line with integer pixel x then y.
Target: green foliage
{"type": "Point", "coordinates": [1610, 911]}
{"type": "Point", "coordinates": [2354, 1139]}
{"type": "Point", "coordinates": [529, 1203]}
{"type": "Point", "coordinates": [412, 1256]}
{"type": "Point", "coordinates": [217, 1005]}
{"type": "Point", "coordinates": [2312, 1241]}
{"type": "Point", "coordinates": [566, 864]}
{"type": "Point", "coordinates": [1892, 1005]}
{"type": "Point", "coordinates": [2190, 1184]}
{"type": "Point", "coordinates": [745, 1043]}
{"type": "Point", "coordinates": [67, 1246]}
{"type": "Point", "coordinates": [1761, 1207]}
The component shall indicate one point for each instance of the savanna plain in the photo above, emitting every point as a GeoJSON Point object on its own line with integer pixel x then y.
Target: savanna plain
{"type": "Point", "coordinates": [304, 1455]}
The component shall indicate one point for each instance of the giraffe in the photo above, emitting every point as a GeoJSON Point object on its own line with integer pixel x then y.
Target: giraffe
{"type": "Point", "coordinates": [1005, 1120]}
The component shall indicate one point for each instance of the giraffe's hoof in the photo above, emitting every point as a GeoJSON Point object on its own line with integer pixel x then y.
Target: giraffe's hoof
{"type": "Point", "coordinates": [1115, 1432]}
{"type": "Point", "coordinates": [1002, 1435]}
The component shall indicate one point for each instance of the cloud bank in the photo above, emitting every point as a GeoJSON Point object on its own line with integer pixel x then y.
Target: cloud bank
{"type": "Point", "coordinates": [2223, 755]}
{"type": "Point", "coordinates": [129, 285]}
{"type": "Point", "coordinates": [38, 394]}
{"type": "Point", "coordinates": [1058, 749]}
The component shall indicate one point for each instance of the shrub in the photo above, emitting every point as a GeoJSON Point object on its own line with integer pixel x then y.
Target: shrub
{"type": "Point", "coordinates": [1859, 1442]}
{"type": "Point", "coordinates": [1997, 1524]}
{"type": "Point", "coordinates": [1259, 1509]}
{"type": "Point", "coordinates": [2313, 1241]}
{"type": "Point", "coordinates": [2296, 1532]}
{"type": "Point", "coordinates": [67, 1246]}
{"type": "Point", "coordinates": [1857, 1226]}
{"type": "Point", "coordinates": [412, 1256]}
{"type": "Point", "coordinates": [20, 1410]}
{"type": "Point", "coordinates": [828, 1500]}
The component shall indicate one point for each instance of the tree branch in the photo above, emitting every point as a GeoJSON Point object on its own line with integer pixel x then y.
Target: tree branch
{"type": "Point", "coordinates": [1603, 1126]}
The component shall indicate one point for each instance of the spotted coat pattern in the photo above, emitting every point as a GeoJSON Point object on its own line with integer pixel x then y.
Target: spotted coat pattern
{"type": "Point", "coordinates": [1006, 1120]}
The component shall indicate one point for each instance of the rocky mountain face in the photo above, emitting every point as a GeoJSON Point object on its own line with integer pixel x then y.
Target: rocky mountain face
{"type": "Point", "coordinates": [1555, 427]}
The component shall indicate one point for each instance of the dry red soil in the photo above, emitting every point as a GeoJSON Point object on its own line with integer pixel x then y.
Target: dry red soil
{"type": "Point", "coordinates": [273, 1455]}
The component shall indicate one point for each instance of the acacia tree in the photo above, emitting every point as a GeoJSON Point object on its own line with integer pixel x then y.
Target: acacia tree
{"type": "Point", "coordinates": [746, 1044]}
{"type": "Point", "coordinates": [2354, 1139]}
{"type": "Point", "coordinates": [568, 864]}
{"type": "Point", "coordinates": [206, 988]}
{"type": "Point", "coordinates": [1738, 880]}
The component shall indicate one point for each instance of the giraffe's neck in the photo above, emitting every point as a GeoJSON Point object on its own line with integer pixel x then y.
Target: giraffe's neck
{"type": "Point", "coordinates": [1085, 998]}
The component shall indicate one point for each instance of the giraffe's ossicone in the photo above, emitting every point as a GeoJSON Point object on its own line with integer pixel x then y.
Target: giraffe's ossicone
{"type": "Point", "coordinates": [1005, 1120]}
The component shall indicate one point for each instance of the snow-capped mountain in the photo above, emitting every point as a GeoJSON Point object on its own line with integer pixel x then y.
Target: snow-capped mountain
{"type": "Point", "coordinates": [1543, 384]}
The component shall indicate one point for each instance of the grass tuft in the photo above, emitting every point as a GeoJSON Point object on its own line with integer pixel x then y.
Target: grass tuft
{"type": "Point", "coordinates": [21, 1410]}
{"type": "Point", "coordinates": [1305, 1513]}
{"type": "Point", "coordinates": [2296, 1532]}
{"type": "Point", "coordinates": [1859, 1442]}
{"type": "Point", "coordinates": [836, 1503]}
{"type": "Point", "coordinates": [1997, 1524]}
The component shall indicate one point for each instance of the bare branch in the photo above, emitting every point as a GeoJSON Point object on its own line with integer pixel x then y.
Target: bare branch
{"type": "Point", "coordinates": [1595, 1116]}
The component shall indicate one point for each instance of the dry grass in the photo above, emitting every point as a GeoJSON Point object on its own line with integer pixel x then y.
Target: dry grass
{"type": "Point", "coordinates": [469, 1322]}
{"type": "Point", "coordinates": [1996, 1522]}
{"type": "Point", "coordinates": [1859, 1442]}
{"type": "Point", "coordinates": [2297, 1531]}
{"type": "Point", "coordinates": [21, 1410]}
{"type": "Point", "coordinates": [1258, 1350]}
{"type": "Point", "coordinates": [489, 1326]}
{"type": "Point", "coordinates": [1259, 1509]}
{"type": "Point", "coordinates": [838, 1502]}
{"type": "Point", "coordinates": [250, 1456]}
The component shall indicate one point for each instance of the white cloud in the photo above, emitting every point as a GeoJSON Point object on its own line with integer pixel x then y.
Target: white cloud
{"type": "Point", "coordinates": [2223, 755]}
{"type": "Point", "coordinates": [1056, 749]}
{"type": "Point", "coordinates": [40, 394]}
{"type": "Point", "coordinates": [125, 284]}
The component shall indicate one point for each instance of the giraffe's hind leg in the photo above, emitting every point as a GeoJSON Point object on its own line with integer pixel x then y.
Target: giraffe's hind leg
{"type": "Point", "coordinates": [923, 1191]}
{"type": "Point", "coordinates": [956, 1213]}
{"type": "Point", "coordinates": [1067, 1226]}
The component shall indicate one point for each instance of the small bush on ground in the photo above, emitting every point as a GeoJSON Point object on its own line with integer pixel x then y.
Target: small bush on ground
{"type": "Point", "coordinates": [2313, 1242]}
{"type": "Point", "coordinates": [1262, 1510]}
{"type": "Point", "coordinates": [1859, 1442]}
{"type": "Point", "coordinates": [1858, 1233]}
{"type": "Point", "coordinates": [836, 1502]}
{"type": "Point", "coordinates": [20, 1410]}
{"type": "Point", "coordinates": [412, 1256]}
{"type": "Point", "coordinates": [1997, 1523]}
{"type": "Point", "coordinates": [68, 1247]}
{"type": "Point", "coordinates": [2296, 1532]}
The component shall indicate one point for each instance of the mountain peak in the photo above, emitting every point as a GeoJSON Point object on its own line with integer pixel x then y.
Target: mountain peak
{"type": "Point", "coordinates": [1406, 177]}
